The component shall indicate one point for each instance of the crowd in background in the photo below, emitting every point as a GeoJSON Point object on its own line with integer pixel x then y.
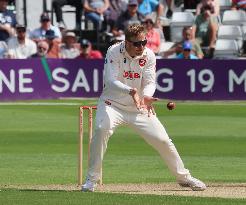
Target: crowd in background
{"type": "Point", "coordinates": [111, 18]}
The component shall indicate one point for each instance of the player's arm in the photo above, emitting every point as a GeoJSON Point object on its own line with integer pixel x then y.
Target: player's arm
{"type": "Point", "coordinates": [111, 67]}
{"type": "Point", "coordinates": [149, 76]}
{"type": "Point", "coordinates": [149, 84]}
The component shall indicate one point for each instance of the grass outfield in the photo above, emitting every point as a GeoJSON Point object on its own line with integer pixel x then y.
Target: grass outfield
{"type": "Point", "coordinates": [39, 143]}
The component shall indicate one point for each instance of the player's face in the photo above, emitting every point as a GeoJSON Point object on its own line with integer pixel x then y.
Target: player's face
{"type": "Point", "coordinates": [136, 46]}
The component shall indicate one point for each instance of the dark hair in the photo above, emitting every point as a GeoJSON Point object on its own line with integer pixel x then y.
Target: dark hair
{"type": "Point", "coordinates": [187, 28]}
{"type": "Point", "coordinates": [207, 7]}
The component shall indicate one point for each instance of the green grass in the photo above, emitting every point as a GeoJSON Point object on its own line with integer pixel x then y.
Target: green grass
{"type": "Point", "coordinates": [39, 144]}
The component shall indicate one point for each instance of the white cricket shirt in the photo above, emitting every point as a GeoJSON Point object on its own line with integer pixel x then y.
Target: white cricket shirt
{"type": "Point", "coordinates": [122, 73]}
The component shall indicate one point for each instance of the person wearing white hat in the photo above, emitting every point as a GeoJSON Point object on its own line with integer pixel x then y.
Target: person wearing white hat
{"type": "Point", "coordinates": [69, 48]}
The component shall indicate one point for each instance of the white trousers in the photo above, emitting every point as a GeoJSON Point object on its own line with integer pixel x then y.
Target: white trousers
{"type": "Point", "coordinates": [108, 118]}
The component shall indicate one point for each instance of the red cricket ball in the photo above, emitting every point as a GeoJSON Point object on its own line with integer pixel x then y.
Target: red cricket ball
{"type": "Point", "coordinates": [171, 105]}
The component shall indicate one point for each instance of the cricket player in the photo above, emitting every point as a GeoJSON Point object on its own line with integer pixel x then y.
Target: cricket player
{"type": "Point", "coordinates": [127, 97]}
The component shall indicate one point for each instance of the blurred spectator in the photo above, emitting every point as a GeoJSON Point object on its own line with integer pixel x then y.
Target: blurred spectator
{"type": "Point", "coordinates": [187, 36]}
{"type": "Point", "coordinates": [42, 49]}
{"type": "Point", "coordinates": [238, 4]}
{"type": "Point", "coordinates": [40, 33]}
{"type": "Point", "coordinates": [147, 7]}
{"type": "Point", "coordinates": [153, 35]}
{"type": "Point", "coordinates": [3, 49]}
{"type": "Point", "coordinates": [7, 21]}
{"type": "Point", "coordinates": [205, 30]}
{"type": "Point", "coordinates": [214, 4]}
{"type": "Point", "coordinates": [191, 4]}
{"type": "Point", "coordinates": [186, 51]}
{"type": "Point", "coordinates": [116, 7]}
{"type": "Point", "coordinates": [58, 4]}
{"type": "Point", "coordinates": [130, 16]}
{"type": "Point", "coordinates": [69, 49]}
{"type": "Point", "coordinates": [21, 47]}
{"type": "Point", "coordinates": [95, 10]}
{"type": "Point", "coordinates": [54, 45]}
{"type": "Point", "coordinates": [87, 51]}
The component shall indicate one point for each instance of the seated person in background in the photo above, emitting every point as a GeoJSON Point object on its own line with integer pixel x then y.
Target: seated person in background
{"type": "Point", "coordinates": [238, 4]}
{"type": "Point", "coordinates": [152, 36]}
{"type": "Point", "coordinates": [205, 30]}
{"type": "Point", "coordinates": [95, 10]}
{"type": "Point", "coordinates": [7, 21]}
{"type": "Point", "coordinates": [186, 51]}
{"type": "Point", "coordinates": [3, 49]}
{"type": "Point", "coordinates": [214, 4]}
{"type": "Point", "coordinates": [130, 16]}
{"type": "Point", "coordinates": [54, 45]}
{"type": "Point", "coordinates": [69, 48]}
{"type": "Point", "coordinates": [42, 49]}
{"type": "Point", "coordinates": [21, 47]}
{"type": "Point", "coordinates": [40, 33]}
{"type": "Point", "coordinates": [116, 7]}
{"type": "Point", "coordinates": [87, 52]}
{"type": "Point", "coordinates": [147, 7]}
{"type": "Point", "coordinates": [58, 4]}
{"type": "Point", "coordinates": [187, 36]}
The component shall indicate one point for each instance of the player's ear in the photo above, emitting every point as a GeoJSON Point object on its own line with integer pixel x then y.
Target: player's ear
{"type": "Point", "coordinates": [127, 42]}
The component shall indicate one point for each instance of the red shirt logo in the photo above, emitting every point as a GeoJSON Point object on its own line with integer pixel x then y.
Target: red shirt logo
{"type": "Point", "coordinates": [131, 75]}
{"type": "Point", "coordinates": [142, 62]}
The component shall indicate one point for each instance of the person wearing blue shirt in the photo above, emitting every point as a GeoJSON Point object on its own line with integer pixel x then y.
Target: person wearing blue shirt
{"type": "Point", "coordinates": [7, 21]}
{"type": "Point", "coordinates": [40, 33]}
{"type": "Point", "coordinates": [147, 7]}
{"type": "Point", "coordinates": [186, 53]}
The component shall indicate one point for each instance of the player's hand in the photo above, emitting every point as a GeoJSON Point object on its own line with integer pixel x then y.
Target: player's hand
{"type": "Point", "coordinates": [133, 92]}
{"type": "Point", "coordinates": [147, 103]}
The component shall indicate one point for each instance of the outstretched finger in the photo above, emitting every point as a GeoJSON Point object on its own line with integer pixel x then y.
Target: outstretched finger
{"type": "Point", "coordinates": [153, 110]}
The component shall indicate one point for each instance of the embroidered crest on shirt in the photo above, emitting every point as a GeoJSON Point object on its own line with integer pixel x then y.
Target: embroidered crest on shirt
{"type": "Point", "coordinates": [142, 62]}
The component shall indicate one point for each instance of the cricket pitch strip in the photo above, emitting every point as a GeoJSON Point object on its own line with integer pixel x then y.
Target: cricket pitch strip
{"type": "Point", "coordinates": [221, 190]}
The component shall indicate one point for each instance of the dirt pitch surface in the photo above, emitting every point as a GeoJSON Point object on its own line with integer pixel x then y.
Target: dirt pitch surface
{"type": "Point", "coordinates": [222, 190]}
